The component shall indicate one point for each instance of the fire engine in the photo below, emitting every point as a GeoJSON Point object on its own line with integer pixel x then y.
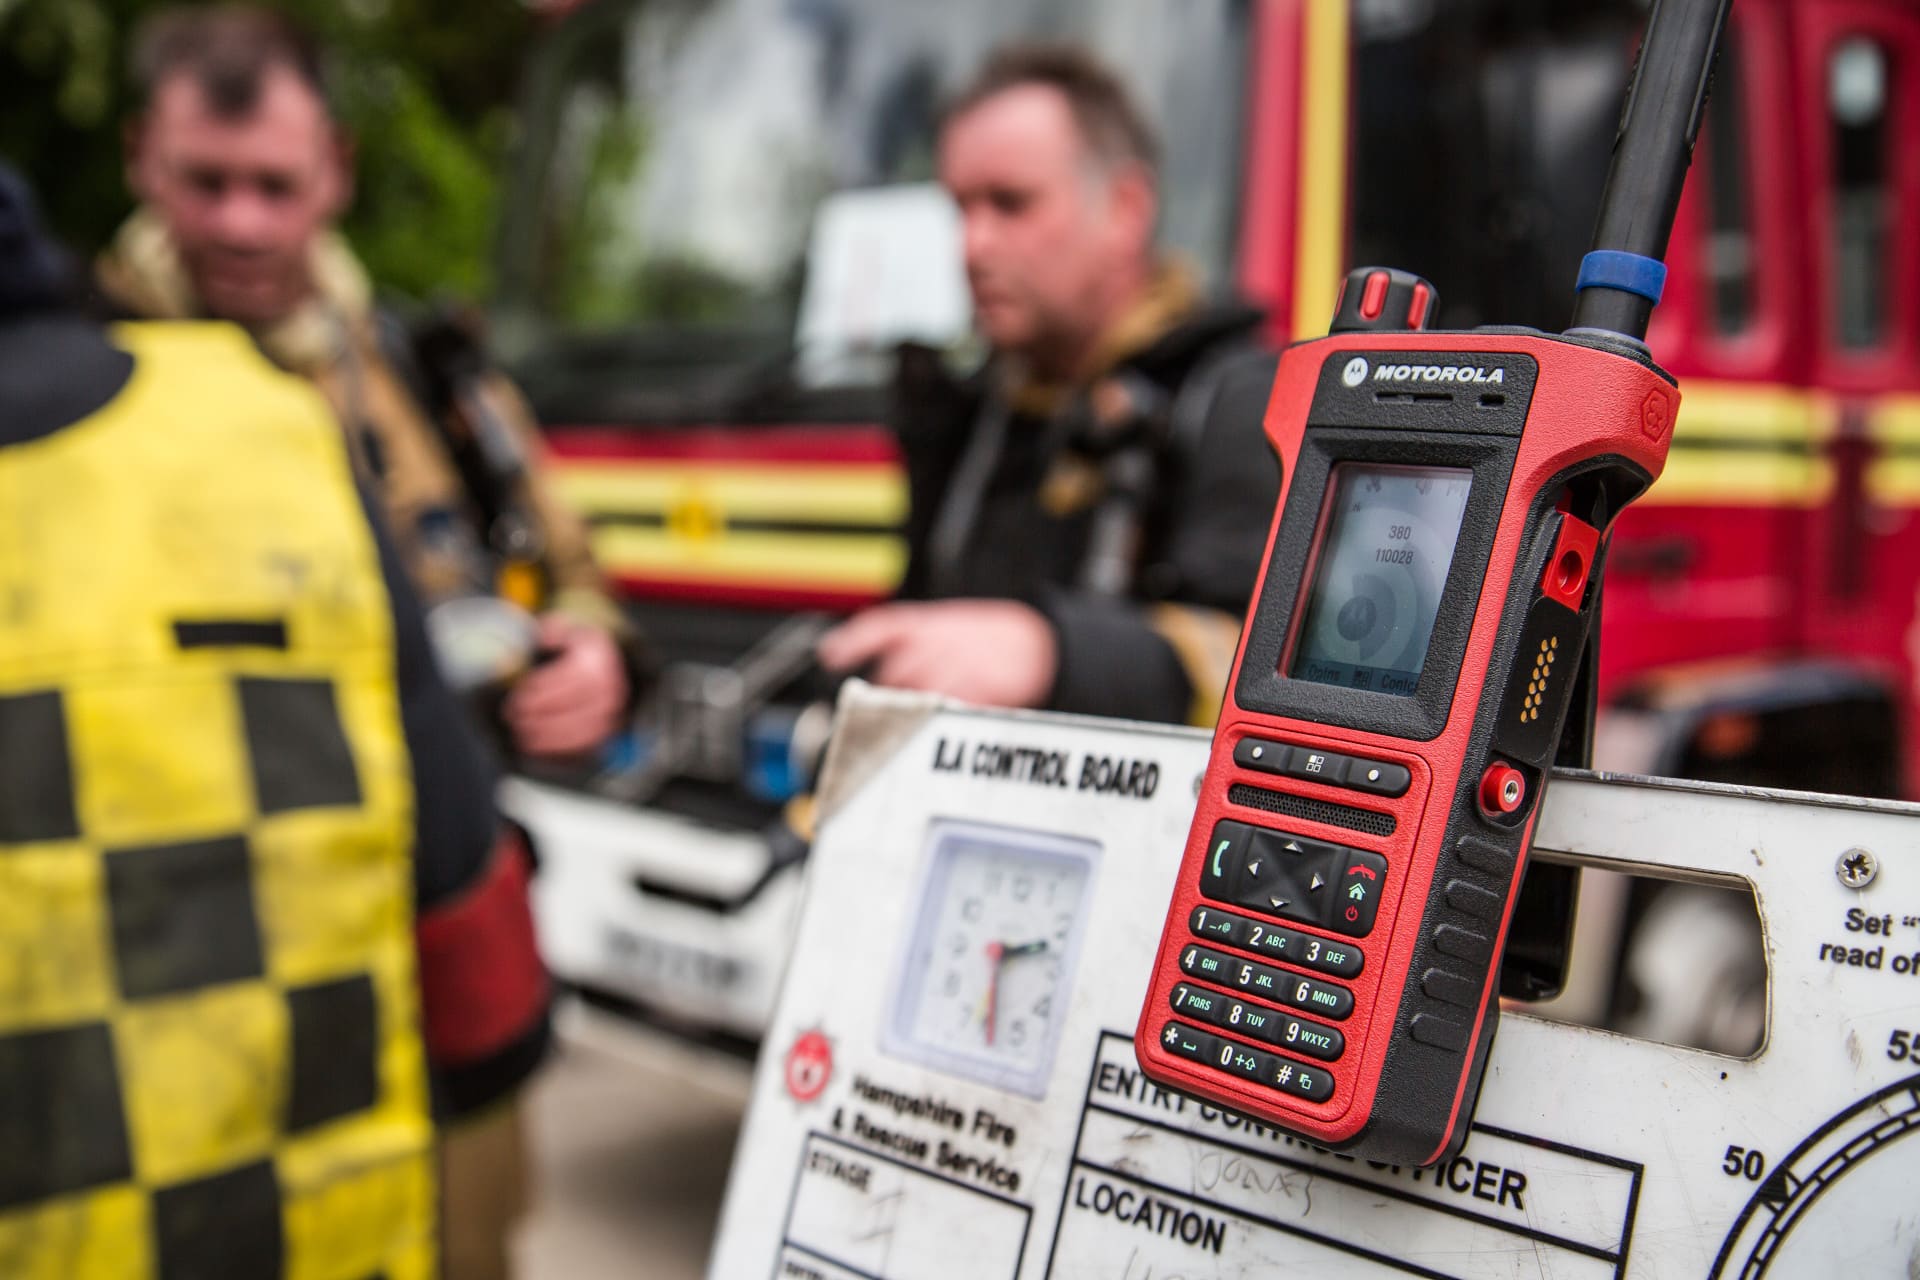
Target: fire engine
{"type": "Point", "coordinates": [721, 219]}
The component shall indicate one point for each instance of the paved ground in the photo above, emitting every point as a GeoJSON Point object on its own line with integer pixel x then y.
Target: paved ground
{"type": "Point", "coordinates": [631, 1147]}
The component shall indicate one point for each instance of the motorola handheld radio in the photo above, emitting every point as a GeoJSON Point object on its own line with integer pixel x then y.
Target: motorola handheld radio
{"type": "Point", "coordinates": [1331, 952]}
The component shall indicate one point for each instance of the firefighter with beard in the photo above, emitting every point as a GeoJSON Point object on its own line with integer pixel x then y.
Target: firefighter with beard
{"type": "Point", "coordinates": [1089, 508]}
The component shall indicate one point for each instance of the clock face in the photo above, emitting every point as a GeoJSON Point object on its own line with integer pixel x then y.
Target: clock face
{"type": "Point", "coordinates": [984, 986]}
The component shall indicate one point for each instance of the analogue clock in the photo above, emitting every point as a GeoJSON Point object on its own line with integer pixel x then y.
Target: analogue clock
{"type": "Point", "coordinates": [986, 973]}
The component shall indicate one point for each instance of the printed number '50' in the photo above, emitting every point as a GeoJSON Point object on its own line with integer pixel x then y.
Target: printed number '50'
{"type": "Point", "coordinates": [1740, 1162]}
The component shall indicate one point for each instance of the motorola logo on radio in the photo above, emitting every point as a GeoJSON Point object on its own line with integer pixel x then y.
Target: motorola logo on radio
{"type": "Point", "coordinates": [1355, 373]}
{"type": "Point", "coordinates": [1428, 373]}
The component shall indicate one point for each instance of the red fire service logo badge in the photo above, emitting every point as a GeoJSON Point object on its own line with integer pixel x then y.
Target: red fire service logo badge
{"type": "Point", "coordinates": [809, 1066]}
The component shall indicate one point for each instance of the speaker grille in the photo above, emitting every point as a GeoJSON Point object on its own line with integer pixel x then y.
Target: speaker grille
{"type": "Point", "coordinates": [1334, 815]}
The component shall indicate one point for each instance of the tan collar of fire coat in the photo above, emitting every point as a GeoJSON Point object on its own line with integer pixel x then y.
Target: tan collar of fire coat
{"type": "Point", "coordinates": [142, 269]}
{"type": "Point", "coordinates": [332, 340]}
{"type": "Point", "coordinates": [1171, 295]}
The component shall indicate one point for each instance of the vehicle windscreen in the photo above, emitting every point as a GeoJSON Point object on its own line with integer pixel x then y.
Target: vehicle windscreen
{"type": "Point", "coordinates": [1481, 131]}
{"type": "Point", "coordinates": [656, 252]}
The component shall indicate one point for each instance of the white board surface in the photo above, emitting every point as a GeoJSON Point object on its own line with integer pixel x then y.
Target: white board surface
{"type": "Point", "coordinates": [1591, 1155]}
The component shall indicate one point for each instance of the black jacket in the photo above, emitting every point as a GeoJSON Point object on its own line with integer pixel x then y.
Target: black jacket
{"type": "Point", "coordinates": [1008, 504]}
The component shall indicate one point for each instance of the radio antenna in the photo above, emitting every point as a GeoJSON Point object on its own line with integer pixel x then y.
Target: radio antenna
{"type": "Point", "coordinates": [1622, 277]}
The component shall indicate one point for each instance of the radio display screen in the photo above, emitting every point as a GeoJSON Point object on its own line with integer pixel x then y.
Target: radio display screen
{"type": "Point", "coordinates": [1382, 566]}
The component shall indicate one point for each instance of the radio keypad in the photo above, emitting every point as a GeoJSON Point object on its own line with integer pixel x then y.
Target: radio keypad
{"type": "Point", "coordinates": [1238, 1016]}
{"type": "Point", "coordinates": [1295, 878]}
{"type": "Point", "coordinates": [1322, 998]}
{"type": "Point", "coordinates": [1272, 873]}
{"type": "Point", "coordinates": [1341, 959]}
{"type": "Point", "coordinates": [1315, 1084]}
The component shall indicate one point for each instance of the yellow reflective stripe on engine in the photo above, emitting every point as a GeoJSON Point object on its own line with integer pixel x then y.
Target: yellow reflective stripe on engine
{"type": "Point", "coordinates": [1751, 411]}
{"type": "Point", "coordinates": [1895, 420]}
{"type": "Point", "coordinates": [820, 562]}
{"type": "Point", "coordinates": [839, 495]}
{"type": "Point", "coordinates": [1747, 444]}
{"type": "Point", "coordinates": [1321, 193]}
{"type": "Point", "coordinates": [1893, 424]}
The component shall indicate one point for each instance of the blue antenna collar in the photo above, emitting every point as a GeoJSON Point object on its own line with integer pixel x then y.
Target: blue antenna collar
{"type": "Point", "coordinates": [1627, 272]}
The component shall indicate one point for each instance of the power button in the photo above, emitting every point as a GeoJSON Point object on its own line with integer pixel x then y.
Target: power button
{"type": "Point", "coordinates": [1356, 900]}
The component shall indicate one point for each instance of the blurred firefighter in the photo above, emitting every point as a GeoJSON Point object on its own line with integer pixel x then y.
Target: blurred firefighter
{"type": "Point", "coordinates": [241, 171]}
{"type": "Point", "coordinates": [249, 866]}
{"type": "Point", "coordinates": [1088, 509]}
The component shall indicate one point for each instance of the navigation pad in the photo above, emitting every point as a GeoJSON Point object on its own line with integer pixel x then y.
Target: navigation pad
{"type": "Point", "coordinates": [1294, 878]}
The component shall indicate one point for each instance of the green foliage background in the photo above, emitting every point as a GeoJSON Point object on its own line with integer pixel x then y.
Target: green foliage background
{"type": "Point", "coordinates": [425, 86]}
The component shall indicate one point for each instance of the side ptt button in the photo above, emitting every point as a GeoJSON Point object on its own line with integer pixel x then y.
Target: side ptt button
{"type": "Point", "coordinates": [1439, 1032]}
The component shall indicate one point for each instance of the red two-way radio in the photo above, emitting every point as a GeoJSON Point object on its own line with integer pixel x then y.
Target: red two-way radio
{"type": "Point", "coordinates": [1332, 948]}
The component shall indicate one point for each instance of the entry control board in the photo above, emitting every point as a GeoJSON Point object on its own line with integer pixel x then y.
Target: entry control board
{"type": "Point", "coordinates": [977, 873]}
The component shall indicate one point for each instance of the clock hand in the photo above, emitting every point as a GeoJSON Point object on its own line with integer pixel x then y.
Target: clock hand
{"type": "Point", "coordinates": [995, 952]}
{"type": "Point", "coordinates": [998, 953]}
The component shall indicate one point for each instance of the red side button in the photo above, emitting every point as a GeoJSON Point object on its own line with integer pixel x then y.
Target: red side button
{"type": "Point", "coordinates": [1502, 789]}
{"type": "Point", "coordinates": [1571, 563]}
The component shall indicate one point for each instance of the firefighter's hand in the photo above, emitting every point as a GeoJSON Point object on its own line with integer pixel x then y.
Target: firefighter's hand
{"type": "Point", "coordinates": [996, 653]}
{"type": "Point", "coordinates": [574, 701]}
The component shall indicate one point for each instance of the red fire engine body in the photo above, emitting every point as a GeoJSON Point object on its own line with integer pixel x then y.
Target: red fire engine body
{"type": "Point", "coordinates": [1762, 610]}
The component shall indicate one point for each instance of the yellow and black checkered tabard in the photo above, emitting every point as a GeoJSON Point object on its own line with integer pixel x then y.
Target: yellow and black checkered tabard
{"type": "Point", "coordinates": [209, 1056]}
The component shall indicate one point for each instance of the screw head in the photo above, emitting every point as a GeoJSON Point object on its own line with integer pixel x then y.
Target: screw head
{"type": "Point", "coordinates": [1856, 868]}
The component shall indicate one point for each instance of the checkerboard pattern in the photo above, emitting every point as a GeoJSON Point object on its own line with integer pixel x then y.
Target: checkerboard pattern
{"type": "Point", "coordinates": [207, 1058]}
